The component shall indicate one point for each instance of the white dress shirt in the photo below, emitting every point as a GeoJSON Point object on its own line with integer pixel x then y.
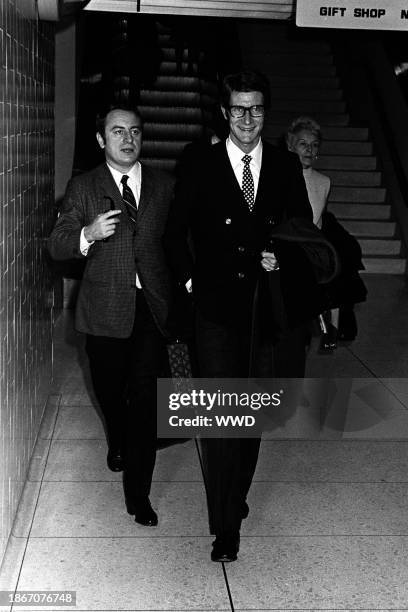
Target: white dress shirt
{"type": "Point", "coordinates": [235, 155]}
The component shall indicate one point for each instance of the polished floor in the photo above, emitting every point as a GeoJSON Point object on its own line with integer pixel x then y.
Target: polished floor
{"type": "Point", "coordinates": [328, 523]}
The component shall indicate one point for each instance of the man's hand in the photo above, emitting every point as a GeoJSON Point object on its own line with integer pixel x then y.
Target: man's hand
{"type": "Point", "coordinates": [269, 261]}
{"type": "Point", "coordinates": [102, 226]}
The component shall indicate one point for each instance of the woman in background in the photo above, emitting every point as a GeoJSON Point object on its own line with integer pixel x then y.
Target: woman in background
{"type": "Point", "coordinates": [338, 322]}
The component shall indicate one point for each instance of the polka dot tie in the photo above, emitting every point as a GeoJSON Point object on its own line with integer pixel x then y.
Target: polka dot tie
{"type": "Point", "coordinates": [129, 199]}
{"type": "Point", "coordinates": [248, 188]}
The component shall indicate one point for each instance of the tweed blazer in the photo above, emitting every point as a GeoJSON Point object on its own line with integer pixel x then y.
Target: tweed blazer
{"type": "Point", "coordinates": [107, 296]}
{"type": "Point", "coordinates": [226, 238]}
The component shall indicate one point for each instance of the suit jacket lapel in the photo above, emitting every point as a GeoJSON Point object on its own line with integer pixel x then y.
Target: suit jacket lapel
{"type": "Point", "coordinates": [264, 191]}
{"type": "Point", "coordinates": [227, 180]}
{"type": "Point", "coordinates": [146, 192]}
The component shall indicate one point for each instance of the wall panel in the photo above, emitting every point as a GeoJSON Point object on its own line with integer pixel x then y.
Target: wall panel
{"type": "Point", "coordinates": [27, 199]}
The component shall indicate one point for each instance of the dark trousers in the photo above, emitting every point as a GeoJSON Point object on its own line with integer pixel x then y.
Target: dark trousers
{"type": "Point", "coordinates": [124, 374]}
{"type": "Point", "coordinates": [229, 463]}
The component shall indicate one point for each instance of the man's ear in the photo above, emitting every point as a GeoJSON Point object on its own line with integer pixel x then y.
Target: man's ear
{"type": "Point", "coordinates": [100, 139]}
{"type": "Point", "coordinates": [224, 113]}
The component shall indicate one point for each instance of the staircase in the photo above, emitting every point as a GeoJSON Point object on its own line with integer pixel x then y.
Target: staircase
{"type": "Point", "coordinates": [304, 82]}
{"type": "Point", "coordinates": [172, 108]}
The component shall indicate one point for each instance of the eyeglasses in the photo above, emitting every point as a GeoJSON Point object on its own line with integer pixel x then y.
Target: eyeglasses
{"type": "Point", "coordinates": [239, 111]}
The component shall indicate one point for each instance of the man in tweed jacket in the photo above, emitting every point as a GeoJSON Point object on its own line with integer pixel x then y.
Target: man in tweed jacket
{"type": "Point", "coordinates": [123, 300]}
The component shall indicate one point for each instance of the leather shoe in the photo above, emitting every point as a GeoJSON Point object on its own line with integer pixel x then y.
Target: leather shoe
{"type": "Point", "coordinates": [115, 460]}
{"type": "Point", "coordinates": [225, 548]}
{"type": "Point", "coordinates": [143, 512]}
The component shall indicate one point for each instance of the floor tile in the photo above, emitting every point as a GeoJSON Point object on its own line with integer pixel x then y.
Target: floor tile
{"type": "Point", "coordinates": [38, 461]}
{"type": "Point", "coordinates": [49, 417]}
{"type": "Point", "coordinates": [79, 422]}
{"type": "Point", "coordinates": [127, 573]}
{"type": "Point", "coordinates": [346, 573]}
{"type": "Point", "coordinates": [79, 460]}
{"type": "Point", "coordinates": [85, 460]}
{"type": "Point", "coordinates": [398, 386]}
{"type": "Point", "coordinates": [97, 509]}
{"type": "Point", "coordinates": [10, 567]}
{"type": "Point", "coordinates": [333, 461]}
{"type": "Point", "coordinates": [26, 509]}
{"type": "Point", "coordinates": [327, 509]}
{"type": "Point", "coordinates": [78, 397]}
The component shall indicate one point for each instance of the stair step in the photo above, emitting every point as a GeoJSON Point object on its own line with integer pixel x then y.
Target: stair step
{"type": "Point", "coordinates": [169, 98]}
{"type": "Point", "coordinates": [280, 58]}
{"type": "Point", "coordinates": [338, 147]}
{"type": "Point", "coordinates": [346, 133]}
{"type": "Point", "coordinates": [308, 107]}
{"type": "Point", "coordinates": [352, 178]}
{"type": "Point", "coordinates": [380, 247]}
{"type": "Point", "coordinates": [303, 82]}
{"type": "Point", "coordinates": [169, 114]}
{"type": "Point", "coordinates": [260, 39]}
{"type": "Point", "coordinates": [373, 195]}
{"type": "Point", "coordinates": [341, 162]}
{"type": "Point", "coordinates": [374, 265]}
{"type": "Point", "coordinates": [376, 229]}
{"type": "Point", "coordinates": [169, 53]}
{"type": "Point", "coordinates": [323, 118]}
{"type": "Point", "coordinates": [176, 131]}
{"type": "Point", "coordinates": [171, 68]}
{"type": "Point", "coordinates": [163, 148]}
{"type": "Point", "coordinates": [162, 164]}
{"type": "Point", "coordinates": [274, 69]}
{"type": "Point", "coordinates": [294, 93]}
{"type": "Point", "coordinates": [177, 83]}
{"type": "Point", "coordinates": [343, 210]}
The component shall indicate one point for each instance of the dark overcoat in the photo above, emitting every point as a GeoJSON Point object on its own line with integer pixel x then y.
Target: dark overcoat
{"type": "Point", "coordinates": [213, 238]}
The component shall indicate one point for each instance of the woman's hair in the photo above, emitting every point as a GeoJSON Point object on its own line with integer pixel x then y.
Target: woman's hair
{"type": "Point", "coordinates": [300, 124]}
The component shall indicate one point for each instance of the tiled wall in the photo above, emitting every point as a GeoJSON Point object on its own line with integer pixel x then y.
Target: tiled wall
{"type": "Point", "coordinates": [26, 204]}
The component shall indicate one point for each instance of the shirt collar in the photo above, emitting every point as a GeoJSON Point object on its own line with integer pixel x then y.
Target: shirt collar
{"type": "Point", "coordinates": [236, 154]}
{"type": "Point", "coordinates": [134, 173]}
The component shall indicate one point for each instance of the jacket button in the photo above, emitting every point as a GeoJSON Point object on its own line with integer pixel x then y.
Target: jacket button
{"type": "Point", "coordinates": [241, 249]}
{"type": "Point", "coordinates": [228, 221]}
{"type": "Point", "coordinates": [241, 275]}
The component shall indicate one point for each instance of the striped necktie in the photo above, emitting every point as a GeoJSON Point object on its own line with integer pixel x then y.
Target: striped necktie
{"type": "Point", "coordinates": [129, 199]}
{"type": "Point", "coordinates": [248, 188]}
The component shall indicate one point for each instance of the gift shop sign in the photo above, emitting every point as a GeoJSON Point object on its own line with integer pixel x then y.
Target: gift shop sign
{"type": "Point", "coordinates": [369, 15]}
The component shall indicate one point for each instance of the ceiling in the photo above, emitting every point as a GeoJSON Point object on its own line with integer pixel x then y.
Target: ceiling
{"type": "Point", "coordinates": [266, 9]}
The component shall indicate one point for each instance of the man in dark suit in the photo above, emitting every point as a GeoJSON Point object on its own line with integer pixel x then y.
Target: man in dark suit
{"type": "Point", "coordinates": [216, 240]}
{"type": "Point", "coordinates": [114, 217]}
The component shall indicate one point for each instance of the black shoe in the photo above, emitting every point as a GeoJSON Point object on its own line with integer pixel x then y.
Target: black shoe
{"type": "Point", "coordinates": [143, 512]}
{"type": "Point", "coordinates": [225, 548]}
{"type": "Point", "coordinates": [244, 510]}
{"type": "Point", "coordinates": [115, 460]}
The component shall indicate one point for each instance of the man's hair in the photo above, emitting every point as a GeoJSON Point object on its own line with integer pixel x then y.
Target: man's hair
{"type": "Point", "coordinates": [100, 120]}
{"type": "Point", "coordinates": [303, 123]}
{"type": "Point", "coordinates": [243, 82]}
